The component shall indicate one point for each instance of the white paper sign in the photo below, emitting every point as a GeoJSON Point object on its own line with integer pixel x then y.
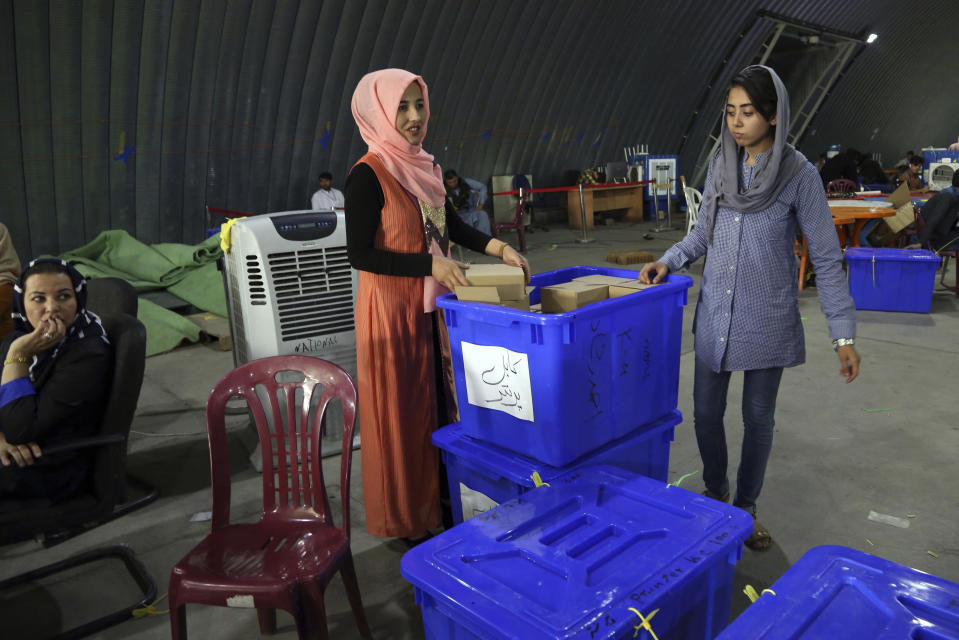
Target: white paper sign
{"type": "Point", "coordinates": [497, 378]}
{"type": "Point", "coordinates": [474, 502]}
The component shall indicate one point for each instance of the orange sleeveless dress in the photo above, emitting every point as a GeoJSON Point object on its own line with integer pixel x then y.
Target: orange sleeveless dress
{"type": "Point", "coordinates": [397, 385]}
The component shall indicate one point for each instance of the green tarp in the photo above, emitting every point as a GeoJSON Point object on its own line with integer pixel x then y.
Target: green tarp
{"type": "Point", "coordinates": [188, 272]}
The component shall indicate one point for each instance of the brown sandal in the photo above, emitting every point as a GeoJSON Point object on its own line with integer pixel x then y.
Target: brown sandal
{"type": "Point", "coordinates": [760, 540]}
{"type": "Point", "coordinates": [716, 496]}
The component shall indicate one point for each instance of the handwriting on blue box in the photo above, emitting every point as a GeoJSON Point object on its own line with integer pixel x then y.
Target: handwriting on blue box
{"type": "Point", "coordinates": [497, 378]}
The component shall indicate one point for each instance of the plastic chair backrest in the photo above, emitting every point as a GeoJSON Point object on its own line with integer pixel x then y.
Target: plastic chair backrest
{"type": "Point", "coordinates": [693, 200]}
{"type": "Point", "coordinates": [290, 436]}
{"type": "Point", "coordinates": [841, 185]}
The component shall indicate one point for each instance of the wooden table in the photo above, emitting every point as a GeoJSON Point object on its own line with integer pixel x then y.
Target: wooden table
{"type": "Point", "coordinates": [605, 198]}
{"type": "Point", "coordinates": [861, 211]}
{"type": "Point", "coordinates": [841, 220]}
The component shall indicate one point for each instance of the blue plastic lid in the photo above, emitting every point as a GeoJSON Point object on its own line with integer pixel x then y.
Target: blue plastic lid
{"type": "Point", "coordinates": [569, 560]}
{"type": "Point", "coordinates": [519, 468]}
{"type": "Point", "coordinates": [836, 592]}
{"type": "Point", "coordinates": [900, 255]}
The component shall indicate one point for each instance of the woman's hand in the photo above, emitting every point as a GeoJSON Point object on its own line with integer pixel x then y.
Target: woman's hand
{"type": "Point", "coordinates": [653, 272]}
{"type": "Point", "coordinates": [513, 258]}
{"type": "Point", "coordinates": [50, 332]}
{"type": "Point", "coordinates": [448, 272]}
{"type": "Point", "coordinates": [848, 362]}
{"type": "Point", "coordinates": [23, 454]}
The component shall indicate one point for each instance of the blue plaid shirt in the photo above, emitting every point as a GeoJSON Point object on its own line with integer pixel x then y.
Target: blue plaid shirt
{"type": "Point", "coordinates": [747, 316]}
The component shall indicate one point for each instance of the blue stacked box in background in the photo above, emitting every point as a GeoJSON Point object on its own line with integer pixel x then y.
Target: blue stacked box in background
{"type": "Point", "coordinates": [892, 279]}
{"type": "Point", "coordinates": [596, 374]}
{"type": "Point", "coordinates": [502, 475]}
{"type": "Point", "coordinates": [836, 592]}
{"type": "Point", "coordinates": [583, 558]}
{"type": "Point", "coordinates": [938, 155]}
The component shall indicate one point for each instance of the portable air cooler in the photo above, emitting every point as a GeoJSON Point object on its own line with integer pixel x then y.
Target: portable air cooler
{"type": "Point", "coordinates": [940, 175]}
{"type": "Point", "coordinates": [290, 290]}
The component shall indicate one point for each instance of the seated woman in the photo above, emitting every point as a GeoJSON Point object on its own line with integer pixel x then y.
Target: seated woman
{"type": "Point", "coordinates": [56, 377]}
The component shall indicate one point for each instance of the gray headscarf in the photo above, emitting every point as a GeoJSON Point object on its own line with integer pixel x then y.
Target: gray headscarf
{"type": "Point", "coordinates": [773, 171]}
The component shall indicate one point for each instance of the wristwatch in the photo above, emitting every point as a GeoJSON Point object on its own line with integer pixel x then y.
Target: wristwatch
{"type": "Point", "coordinates": [842, 342]}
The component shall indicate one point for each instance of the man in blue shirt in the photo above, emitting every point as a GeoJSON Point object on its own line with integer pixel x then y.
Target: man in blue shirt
{"type": "Point", "coordinates": [467, 198]}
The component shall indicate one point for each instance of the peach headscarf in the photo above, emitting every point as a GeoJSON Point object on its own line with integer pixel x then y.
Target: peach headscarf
{"type": "Point", "coordinates": [374, 105]}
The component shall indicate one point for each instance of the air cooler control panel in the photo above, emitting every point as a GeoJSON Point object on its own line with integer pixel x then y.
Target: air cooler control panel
{"type": "Point", "coordinates": [306, 225]}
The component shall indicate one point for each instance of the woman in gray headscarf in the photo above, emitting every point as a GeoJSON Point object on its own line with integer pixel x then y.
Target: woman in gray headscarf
{"type": "Point", "coordinates": [758, 189]}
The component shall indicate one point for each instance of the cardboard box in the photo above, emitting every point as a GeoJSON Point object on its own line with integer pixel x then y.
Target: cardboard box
{"type": "Point", "coordinates": [509, 281]}
{"type": "Point", "coordinates": [478, 294]}
{"type": "Point", "coordinates": [598, 279]}
{"type": "Point", "coordinates": [217, 327]}
{"type": "Point", "coordinates": [619, 290]}
{"type": "Point", "coordinates": [905, 212]}
{"type": "Point", "coordinates": [491, 295]}
{"type": "Point", "coordinates": [560, 298]}
{"type": "Point", "coordinates": [522, 305]}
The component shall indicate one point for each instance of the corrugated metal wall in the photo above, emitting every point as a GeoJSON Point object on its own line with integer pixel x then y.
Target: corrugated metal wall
{"type": "Point", "coordinates": [134, 115]}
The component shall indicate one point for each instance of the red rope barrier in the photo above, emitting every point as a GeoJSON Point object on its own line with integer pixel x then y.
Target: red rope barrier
{"type": "Point", "coordinates": [575, 188]}
{"type": "Point", "coordinates": [229, 212]}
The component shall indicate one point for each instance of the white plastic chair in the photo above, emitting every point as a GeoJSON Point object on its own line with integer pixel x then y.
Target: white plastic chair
{"type": "Point", "coordinates": [693, 198]}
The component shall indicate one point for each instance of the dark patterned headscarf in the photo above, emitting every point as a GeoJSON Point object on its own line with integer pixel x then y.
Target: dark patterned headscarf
{"type": "Point", "coordinates": [86, 325]}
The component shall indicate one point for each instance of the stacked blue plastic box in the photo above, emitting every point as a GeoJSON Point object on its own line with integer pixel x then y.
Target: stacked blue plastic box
{"type": "Point", "coordinates": [892, 279]}
{"type": "Point", "coordinates": [566, 420]}
{"type": "Point", "coordinates": [582, 545]}
{"type": "Point", "coordinates": [547, 393]}
{"type": "Point", "coordinates": [600, 553]}
{"type": "Point", "coordinates": [837, 592]}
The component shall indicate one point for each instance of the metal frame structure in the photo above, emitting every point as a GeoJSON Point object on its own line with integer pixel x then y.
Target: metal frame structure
{"type": "Point", "coordinates": [847, 46]}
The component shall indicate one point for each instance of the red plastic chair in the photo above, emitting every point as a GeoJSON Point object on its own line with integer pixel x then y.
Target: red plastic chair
{"type": "Point", "coordinates": [285, 560]}
{"type": "Point", "coordinates": [517, 222]}
{"type": "Point", "coordinates": [841, 185]}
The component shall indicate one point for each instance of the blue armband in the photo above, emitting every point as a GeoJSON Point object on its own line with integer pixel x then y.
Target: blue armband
{"type": "Point", "coordinates": [15, 389]}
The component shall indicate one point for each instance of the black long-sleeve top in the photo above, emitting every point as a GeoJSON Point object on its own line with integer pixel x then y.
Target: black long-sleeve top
{"type": "Point", "coordinates": [364, 205]}
{"type": "Point", "coordinates": [941, 214]}
{"type": "Point", "coordinates": [69, 398]}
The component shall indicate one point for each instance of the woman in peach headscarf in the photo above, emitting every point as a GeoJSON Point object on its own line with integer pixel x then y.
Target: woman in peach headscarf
{"type": "Point", "coordinates": [398, 229]}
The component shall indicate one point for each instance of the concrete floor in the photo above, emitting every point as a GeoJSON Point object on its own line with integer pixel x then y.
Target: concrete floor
{"type": "Point", "coordinates": [887, 443]}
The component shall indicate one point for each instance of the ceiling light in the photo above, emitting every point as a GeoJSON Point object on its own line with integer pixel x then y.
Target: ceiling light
{"type": "Point", "coordinates": [872, 38]}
